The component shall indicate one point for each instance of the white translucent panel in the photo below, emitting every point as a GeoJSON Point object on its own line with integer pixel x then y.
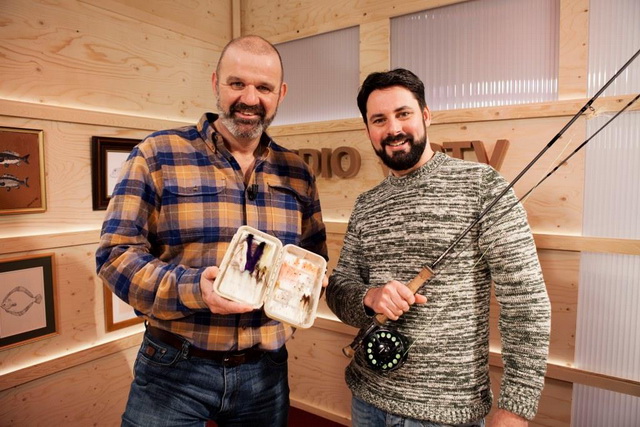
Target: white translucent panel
{"type": "Point", "coordinates": [612, 409]}
{"type": "Point", "coordinates": [322, 73]}
{"type": "Point", "coordinates": [608, 332]}
{"type": "Point", "coordinates": [614, 36]}
{"type": "Point", "coordinates": [612, 178]}
{"type": "Point", "coordinates": [481, 53]}
{"type": "Point", "coordinates": [608, 337]}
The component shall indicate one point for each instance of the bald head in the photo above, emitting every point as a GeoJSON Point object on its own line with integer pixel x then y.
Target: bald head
{"type": "Point", "coordinates": [252, 44]}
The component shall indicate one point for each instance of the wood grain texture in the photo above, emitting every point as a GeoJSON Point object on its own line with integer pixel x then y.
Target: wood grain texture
{"type": "Point", "coordinates": [90, 394]}
{"type": "Point", "coordinates": [285, 21]}
{"type": "Point", "coordinates": [72, 54]}
{"type": "Point", "coordinates": [207, 20]}
{"type": "Point", "coordinates": [573, 49]}
{"type": "Point", "coordinates": [375, 54]}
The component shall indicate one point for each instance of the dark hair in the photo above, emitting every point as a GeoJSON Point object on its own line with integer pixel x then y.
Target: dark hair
{"type": "Point", "coordinates": [386, 79]}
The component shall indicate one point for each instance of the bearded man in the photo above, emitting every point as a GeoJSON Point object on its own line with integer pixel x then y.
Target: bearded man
{"type": "Point", "coordinates": [181, 197]}
{"type": "Point", "coordinates": [408, 221]}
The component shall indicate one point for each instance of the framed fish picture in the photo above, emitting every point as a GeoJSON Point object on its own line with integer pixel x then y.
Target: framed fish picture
{"type": "Point", "coordinates": [27, 300]}
{"type": "Point", "coordinates": [107, 157]}
{"type": "Point", "coordinates": [22, 178]}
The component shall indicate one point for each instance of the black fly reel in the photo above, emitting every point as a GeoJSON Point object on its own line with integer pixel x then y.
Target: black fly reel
{"type": "Point", "coordinates": [385, 349]}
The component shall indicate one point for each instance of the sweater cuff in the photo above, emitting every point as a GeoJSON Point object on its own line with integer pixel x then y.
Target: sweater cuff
{"type": "Point", "coordinates": [189, 289]}
{"type": "Point", "coordinates": [519, 402]}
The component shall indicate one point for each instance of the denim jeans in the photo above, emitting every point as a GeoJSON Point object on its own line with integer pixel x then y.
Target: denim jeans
{"type": "Point", "coordinates": [365, 415]}
{"type": "Point", "coordinates": [170, 389]}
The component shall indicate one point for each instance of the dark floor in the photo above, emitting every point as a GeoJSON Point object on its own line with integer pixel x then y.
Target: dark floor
{"type": "Point", "coordinates": [300, 418]}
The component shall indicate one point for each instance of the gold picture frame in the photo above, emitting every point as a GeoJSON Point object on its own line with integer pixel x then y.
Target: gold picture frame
{"type": "Point", "coordinates": [22, 173]}
{"type": "Point", "coordinates": [27, 299]}
{"type": "Point", "coordinates": [117, 313]}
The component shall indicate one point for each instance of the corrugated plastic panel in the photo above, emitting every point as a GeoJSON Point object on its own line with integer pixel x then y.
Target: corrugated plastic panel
{"type": "Point", "coordinates": [481, 53]}
{"type": "Point", "coordinates": [322, 73]}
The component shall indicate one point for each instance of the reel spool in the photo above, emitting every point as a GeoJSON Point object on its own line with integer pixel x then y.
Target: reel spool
{"type": "Point", "coordinates": [384, 349]}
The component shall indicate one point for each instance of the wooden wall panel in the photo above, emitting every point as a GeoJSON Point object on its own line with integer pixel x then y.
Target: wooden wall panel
{"type": "Point", "coordinates": [554, 409]}
{"type": "Point", "coordinates": [284, 21]}
{"type": "Point", "coordinates": [72, 54]}
{"type": "Point", "coordinates": [554, 208]}
{"type": "Point", "coordinates": [573, 49]}
{"type": "Point", "coordinates": [375, 38]}
{"type": "Point", "coordinates": [208, 20]}
{"type": "Point", "coordinates": [92, 394]}
{"type": "Point", "coordinates": [561, 274]}
{"type": "Point", "coordinates": [67, 154]}
{"type": "Point", "coordinates": [80, 311]}
{"type": "Point", "coordinates": [316, 373]}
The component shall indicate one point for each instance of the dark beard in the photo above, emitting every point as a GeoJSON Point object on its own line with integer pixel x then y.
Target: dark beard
{"type": "Point", "coordinates": [243, 128]}
{"type": "Point", "coordinates": [400, 161]}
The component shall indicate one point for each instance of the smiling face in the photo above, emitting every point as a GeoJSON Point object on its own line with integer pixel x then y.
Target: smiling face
{"type": "Point", "coordinates": [248, 86]}
{"type": "Point", "coordinates": [397, 128]}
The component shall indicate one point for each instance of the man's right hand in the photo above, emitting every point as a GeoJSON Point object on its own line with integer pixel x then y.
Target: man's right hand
{"type": "Point", "coordinates": [216, 303]}
{"type": "Point", "coordinates": [392, 299]}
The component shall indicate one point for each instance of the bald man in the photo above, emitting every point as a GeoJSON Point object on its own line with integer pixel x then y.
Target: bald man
{"type": "Point", "coordinates": [181, 197]}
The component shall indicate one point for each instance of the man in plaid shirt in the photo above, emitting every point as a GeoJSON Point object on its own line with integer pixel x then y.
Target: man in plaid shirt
{"type": "Point", "coordinates": [182, 195]}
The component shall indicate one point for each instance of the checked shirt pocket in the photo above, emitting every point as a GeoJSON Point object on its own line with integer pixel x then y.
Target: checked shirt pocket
{"type": "Point", "coordinates": [285, 211]}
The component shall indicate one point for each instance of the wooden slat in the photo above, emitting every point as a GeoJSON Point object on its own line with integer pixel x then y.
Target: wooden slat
{"type": "Point", "coordinates": [573, 51]}
{"type": "Point", "coordinates": [286, 21]}
{"type": "Point", "coordinates": [40, 370]}
{"type": "Point", "coordinates": [375, 50]}
{"type": "Point", "coordinates": [28, 110]}
{"type": "Point", "coordinates": [587, 244]}
{"type": "Point", "coordinates": [40, 242]}
{"type": "Point", "coordinates": [467, 115]}
{"type": "Point", "coordinates": [580, 376]}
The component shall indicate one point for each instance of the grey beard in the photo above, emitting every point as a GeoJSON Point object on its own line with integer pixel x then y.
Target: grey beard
{"type": "Point", "coordinates": [239, 130]}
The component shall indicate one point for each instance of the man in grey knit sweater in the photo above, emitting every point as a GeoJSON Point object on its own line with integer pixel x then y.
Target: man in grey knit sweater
{"type": "Point", "coordinates": [407, 221]}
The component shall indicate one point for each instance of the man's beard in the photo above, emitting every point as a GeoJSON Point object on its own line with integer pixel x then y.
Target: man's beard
{"type": "Point", "coordinates": [245, 128]}
{"type": "Point", "coordinates": [400, 160]}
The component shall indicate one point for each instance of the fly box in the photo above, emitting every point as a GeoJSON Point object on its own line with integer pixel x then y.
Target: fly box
{"type": "Point", "coordinates": [257, 270]}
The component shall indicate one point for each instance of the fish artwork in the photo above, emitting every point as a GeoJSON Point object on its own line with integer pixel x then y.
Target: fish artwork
{"type": "Point", "coordinates": [9, 181]}
{"type": "Point", "coordinates": [8, 158]}
{"type": "Point", "coordinates": [19, 300]}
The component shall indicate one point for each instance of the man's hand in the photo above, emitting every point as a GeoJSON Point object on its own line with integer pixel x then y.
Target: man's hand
{"type": "Point", "coordinates": [504, 418]}
{"type": "Point", "coordinates": [392, 299]}
{"type": "Point", "coordinates": [216, 303]}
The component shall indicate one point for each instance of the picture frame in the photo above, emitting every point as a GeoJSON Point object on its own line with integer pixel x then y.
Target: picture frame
{"type": "Point", "coordinates": [108, 154]}
{"type": "Point", "coordinates": [22, 171]}
{"type": "Point", "coordinates": [28, 306]}
{"type": "Point", "coordinates": [117, 313]}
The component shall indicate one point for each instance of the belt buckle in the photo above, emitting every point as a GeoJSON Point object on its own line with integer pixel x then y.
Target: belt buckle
{"type": "Point", "coordinates": [232, 360]}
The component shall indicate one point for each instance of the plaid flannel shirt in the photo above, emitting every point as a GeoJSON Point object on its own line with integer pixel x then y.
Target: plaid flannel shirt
{"type": "Point", "coordinates": [179, 201]}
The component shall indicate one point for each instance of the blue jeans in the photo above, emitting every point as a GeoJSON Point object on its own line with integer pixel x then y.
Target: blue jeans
{"type": "Point", "coordinates": [170, 389]}
{"type": "Point", "coordinates": [365, 415]}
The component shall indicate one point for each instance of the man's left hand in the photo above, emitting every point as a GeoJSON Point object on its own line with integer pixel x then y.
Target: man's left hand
{"type": "Point", "coordinates": [504, 418]}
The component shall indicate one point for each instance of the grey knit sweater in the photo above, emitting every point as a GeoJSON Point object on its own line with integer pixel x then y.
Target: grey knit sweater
{"type": "Point", "coordinates": [404, 223]}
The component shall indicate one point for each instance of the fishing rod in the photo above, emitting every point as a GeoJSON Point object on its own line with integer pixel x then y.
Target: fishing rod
{"type": "Point", "coordinates": [387, 349]}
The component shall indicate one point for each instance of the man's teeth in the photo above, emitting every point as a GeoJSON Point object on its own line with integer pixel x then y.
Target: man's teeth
{"type": "Point", "coordinates": [397, 143]}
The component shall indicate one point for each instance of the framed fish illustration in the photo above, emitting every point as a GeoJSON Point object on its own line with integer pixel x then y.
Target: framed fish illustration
{"type": "Point", "coordinates": [107, 157]}
{"type": "Point", "coordinates": [22, 175]}
{"type": "Point", "coordinates": [27, 299]}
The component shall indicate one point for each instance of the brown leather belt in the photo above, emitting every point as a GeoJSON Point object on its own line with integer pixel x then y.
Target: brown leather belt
{"type": "Point", "coordinates": [226, 358]}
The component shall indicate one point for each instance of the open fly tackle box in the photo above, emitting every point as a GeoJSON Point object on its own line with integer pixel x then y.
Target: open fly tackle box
{"type": "Point", "coordinates": [257, 270]}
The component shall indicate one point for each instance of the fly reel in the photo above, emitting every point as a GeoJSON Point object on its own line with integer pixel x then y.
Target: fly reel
{"type": "Point", "coordinates": [384, 349]}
